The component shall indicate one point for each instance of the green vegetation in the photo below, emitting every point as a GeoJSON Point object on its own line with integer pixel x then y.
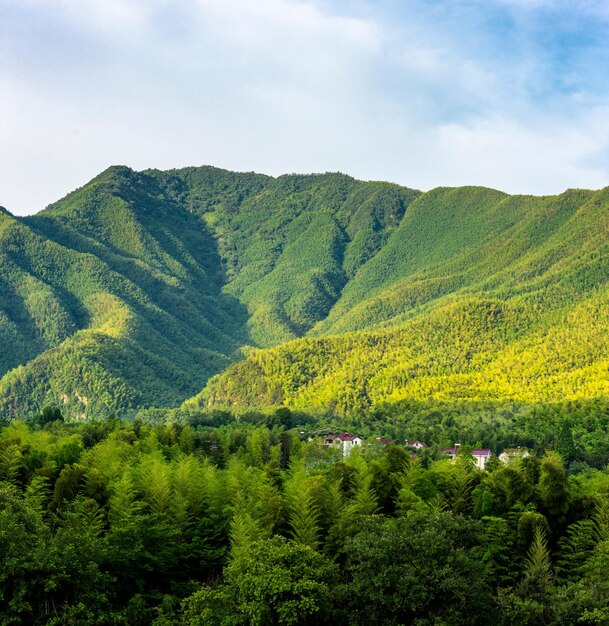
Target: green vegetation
{"type": "Point", "coordinates": [133, 290]}
{"type": "Point", "coordinates": [475, 350]}
{"type": "Point", "coordinates": [342, 295]}
{"type": "Point", "coordinates": [303, 305]}
{"type": "Point", "coordinates": [182, 522]}
{"type": "Point", "coordinates": [475, 296]}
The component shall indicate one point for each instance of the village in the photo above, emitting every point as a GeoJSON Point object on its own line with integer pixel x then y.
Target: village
{"type": "Point", "coordinates": [345, 442]}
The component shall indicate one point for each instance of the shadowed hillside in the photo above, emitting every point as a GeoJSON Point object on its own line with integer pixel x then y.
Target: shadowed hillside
{"type": "Point", "coordinates": [135, 289]}
{"type": "Point", "coordinates": [476, 295]}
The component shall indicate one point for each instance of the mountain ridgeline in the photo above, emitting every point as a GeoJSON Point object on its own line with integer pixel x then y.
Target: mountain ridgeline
{"type": "Point", "coordinates": [321, 292]}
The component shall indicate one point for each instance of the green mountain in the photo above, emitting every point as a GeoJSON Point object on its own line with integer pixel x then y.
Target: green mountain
{"type": "Point", "coordinates": [475, 296]}
{"type": "Point", "coordinates": [134, 289]}
{"type": "Point", "coordinates": [140, 287]}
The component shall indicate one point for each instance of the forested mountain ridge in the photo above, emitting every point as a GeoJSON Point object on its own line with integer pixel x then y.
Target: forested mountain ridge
{"type": "Point", "coordinates": [107, 327]}
{"type": "Point", "coordinates": [484, 297]}
{"type": "Point", "coordinates": [135, 289]}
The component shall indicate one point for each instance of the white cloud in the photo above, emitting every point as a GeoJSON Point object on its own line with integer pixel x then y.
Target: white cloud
{"type": "Point", "coordinates": [277, 86]}
{"type": "Point", "coordinates": [115, 18]}
{"type": "Point", "coordinates": [499, 152]}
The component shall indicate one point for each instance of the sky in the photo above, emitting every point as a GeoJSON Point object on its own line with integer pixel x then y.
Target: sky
{"type": "Point", "coordinates": [510, 94]}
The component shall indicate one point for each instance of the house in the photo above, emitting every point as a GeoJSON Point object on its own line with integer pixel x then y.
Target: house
{"type": "Point", "coordinates": [348, 441]}
{"type": "Point", "coordinates": [415, 443]}
{"type": "Point", "coordinates": [510, 454]}
{"type": "Point", "coordinates": [344, 441]}
{"type": "Point", "coordinates": [384, 441]}
{"type": "Point", "coordinates": [481, 455]}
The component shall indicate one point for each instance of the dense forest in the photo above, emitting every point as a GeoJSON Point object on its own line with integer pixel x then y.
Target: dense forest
{"type": "Point", "coordinates": [217, 518]}
{"type": "Point", "coordinates": [178, 347]}
{"type": "Point", "coordinates": [133, 290]}
{"type": "Point", "coordinates": [325, 293]}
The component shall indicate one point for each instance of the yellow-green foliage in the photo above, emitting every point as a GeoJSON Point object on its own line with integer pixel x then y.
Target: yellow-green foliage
{"type": "Point", "coordinates": [134, 290]}
{"type": "Point", "coordinates": [472, 349]}
{"type": "Point", "coordinates": [483, 297]}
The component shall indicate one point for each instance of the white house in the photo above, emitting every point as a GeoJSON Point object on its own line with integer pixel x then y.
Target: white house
{"type": "Point", "coordinates": [415, 443]}
{"type": "Point", "coordinates": [348, 441]}
{"type": "Point", "coordinates": [481, 455]}
{"type": "Point", "coordinates": [344, 441]}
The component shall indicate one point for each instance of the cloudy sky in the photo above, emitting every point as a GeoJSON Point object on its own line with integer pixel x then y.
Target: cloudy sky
{"type": "Point", "coordinates": [512, 94]}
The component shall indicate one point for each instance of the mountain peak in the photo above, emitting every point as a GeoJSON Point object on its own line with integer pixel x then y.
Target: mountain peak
{"type": "Point", "coordinates": [115, 179]}
{"type": "Point", "coordinates": [116, 171]}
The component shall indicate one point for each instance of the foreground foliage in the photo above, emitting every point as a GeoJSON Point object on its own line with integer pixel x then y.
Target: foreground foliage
{"type": "Point", "coordinates": [185, 523]}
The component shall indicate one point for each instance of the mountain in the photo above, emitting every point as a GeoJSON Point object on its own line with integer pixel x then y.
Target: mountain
{"type": "Point", "coordinates": [111, 300]}
{"type": "Point", "coordinates": [318, 291]}
{"type": "Point", "coordinates": [476, 296]}
{"type": "Point", "coordinates": [134, 289]}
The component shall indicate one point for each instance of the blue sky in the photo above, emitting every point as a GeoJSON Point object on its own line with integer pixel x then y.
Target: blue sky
{"type": "Point", "coordinates": [512, 94]}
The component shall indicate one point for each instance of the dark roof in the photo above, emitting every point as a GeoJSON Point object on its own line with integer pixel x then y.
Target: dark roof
{"type": "Point", "coordinates": [343, 437]}
{"type": "Point", "coordinates": [477, 452]}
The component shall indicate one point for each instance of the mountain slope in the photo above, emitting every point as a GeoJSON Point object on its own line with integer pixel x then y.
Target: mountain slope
{"type": "Point", "coordinates": [134, 289]}
{"type": "Point", "coordinates": [468, 350]}
{"type": "Point", "coordinates": [491, 297]}
{"type": "Point", "coordinates": [121, 300]}
{"type": "Point", "coordinates": [290, 249]}
{"type": "Point", "coordinates": [458, 239]}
